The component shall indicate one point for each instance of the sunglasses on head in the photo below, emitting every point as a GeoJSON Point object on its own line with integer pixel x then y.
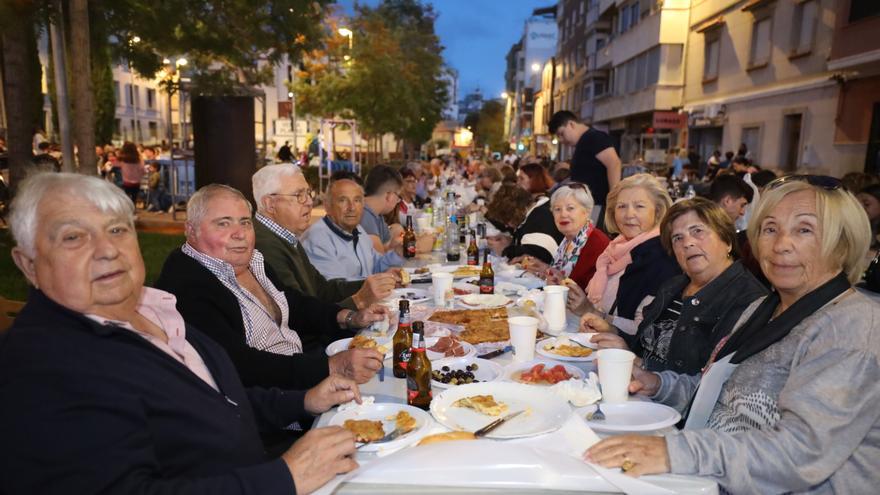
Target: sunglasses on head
{"type": "Point", "coordinates": [822, 181]}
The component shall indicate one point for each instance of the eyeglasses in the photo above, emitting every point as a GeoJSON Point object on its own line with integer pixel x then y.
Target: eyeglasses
{"type": "Point", "coordinates": [302, 197]}
{"type": "Point", "coordinates": [822, 181]}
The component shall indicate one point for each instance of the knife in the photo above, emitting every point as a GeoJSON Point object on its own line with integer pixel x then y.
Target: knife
{"type": "Point", "coordinates": [490, 355]}
{"type": "Point", "coordinates": [495, 424]}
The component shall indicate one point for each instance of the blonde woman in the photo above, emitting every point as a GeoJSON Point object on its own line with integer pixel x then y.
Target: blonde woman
{"type": "Point", "coordinates": [632, 267]}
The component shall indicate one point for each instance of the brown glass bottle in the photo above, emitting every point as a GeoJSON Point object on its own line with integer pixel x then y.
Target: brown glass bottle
{"type": "Point", "coordinates": [473, 252]}
{"type": "Point", "coordinates": [487, 276]}
{"type": "Point", "coordinates": [409, 239]}
{"type": "Point", "coordinates": [402, 342]}
{"type": "Point", "coordinates": [418, 371]}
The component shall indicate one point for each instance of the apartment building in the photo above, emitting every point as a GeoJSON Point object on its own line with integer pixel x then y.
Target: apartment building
{"type": "Point", "coordinates": [855, 58]}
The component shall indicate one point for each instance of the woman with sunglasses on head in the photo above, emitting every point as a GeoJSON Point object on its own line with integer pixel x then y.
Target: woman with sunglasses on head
{"type": "Point", "coordinates": [789, 400]}
{"type": "Point", "coordinates": [692, 311]}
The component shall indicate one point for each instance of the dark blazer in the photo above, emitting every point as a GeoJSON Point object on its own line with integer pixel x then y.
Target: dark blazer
{"type": "Point", "coordinates": [88, 408]}
{"type": "Point", "coordinates": [293, 270]}
{"type": "Point", "coordinates": [650, 267]}
{"type": "Point", "coordinates": [705, 318]}
{"type": "Point", "coordinates": [206, 303]}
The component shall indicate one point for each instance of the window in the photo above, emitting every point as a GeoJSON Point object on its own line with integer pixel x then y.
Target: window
{"type": "Point", "coordinates": [639, 72]}
{"type": "Point", "coordinates": [151, 98]}
{"type": "Point", "coordinates": [129, 96]}
{"type": "Point", "coordinates": [860, 9]}
{"type": "Point", "coordinates": [712, 52]}
{"type": "Point", "coordinates": [117, 128]}
{"type": "Point", "coordinates": [624, 20]}
{"type": "Point", "coordinates": [653, 69]}
{"type": "Point", "coordinates": [760, 53]}
{"type": "Point", "coordinates": [600, 44]}
{"type": "Point", "coordinates": [153, 130]}
{"type": "Point", "coordinates": [804, 29]}
{"type": "Point", "coordinates": [600, 87]}
{"type": "Point", "coordinates": [116, 92]}
{"type": "Point", "coordinates": [751, 137]}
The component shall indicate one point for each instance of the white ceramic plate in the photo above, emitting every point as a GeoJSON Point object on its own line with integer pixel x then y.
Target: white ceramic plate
{"type": "Point", "coordinates": [633, 415]}
{"type": "Point", "coordinates": [411, 294]}
{"type": "Point", "coordinates": [583, 338]}
{"type": "Point", "coordinates": [508, 289]}
{"type": "Point", "coordinates": [483, 301]}
{"type": "Point", "coordinates": [513, 369]}
{"type": "Point", "coordinates": [486, 371]}
{"type": "Point", "coordinates": [470, 350]}
{"type": "Point", "coordinates": [545, 411]}
{"type": "Point", "coordinates": [382, 412]}
{"type": "Point", "coordinates": [342, 345]}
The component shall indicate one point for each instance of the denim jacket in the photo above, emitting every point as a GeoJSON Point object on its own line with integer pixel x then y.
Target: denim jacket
{"type": "Point", "coordinates": [706, 317]}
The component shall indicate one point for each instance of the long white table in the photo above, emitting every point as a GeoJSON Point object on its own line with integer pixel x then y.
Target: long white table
{"type": "Point", "coordinates": [393, 390]}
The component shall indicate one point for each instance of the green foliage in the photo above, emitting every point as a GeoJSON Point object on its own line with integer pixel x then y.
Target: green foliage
{"type": "Point", "coordinates": [230, 46]}
{"type": "Point", "coordinates": [392, 82]}
{"type": "Point", "coordinates": [489, 130]}
{"type": "Point", "coordinates": [102, 76]}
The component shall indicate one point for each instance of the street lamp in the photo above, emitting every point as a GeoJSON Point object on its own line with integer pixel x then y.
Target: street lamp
{"type": "Point", "coordinates": [180, 62]}
{"type": "Point", "coordinates": [348, 33]}
{"type": "Point", "coordinates": [536, 67]}
{"type": "Point", "coordinates": [504, 94]}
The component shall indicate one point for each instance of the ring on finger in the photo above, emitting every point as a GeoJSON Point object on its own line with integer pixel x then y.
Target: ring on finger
{"type": "Point", "coordinates": [627, 465]}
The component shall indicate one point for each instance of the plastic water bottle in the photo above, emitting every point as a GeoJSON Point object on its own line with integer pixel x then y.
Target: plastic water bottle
{"type": "Point", "coordinates": [453, 246]}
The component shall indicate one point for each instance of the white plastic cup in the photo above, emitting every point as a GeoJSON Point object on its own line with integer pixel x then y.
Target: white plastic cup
{"type": "Point", "coordinates": [615, 374]}
{"type": "Point", "coordinates": [442, 283]}
{"type": "Point", "coordinates": [554, 308]}
{"type": "Point", "coordinates": [523, 331]}
{"type": "Point", "coordinates": [422, 224]}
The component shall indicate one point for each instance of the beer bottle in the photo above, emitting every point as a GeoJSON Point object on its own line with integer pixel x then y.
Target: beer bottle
{"type": "Point", "coordinates": [418, 371]}
{"type": "Point", "coordinates": [487, 276]}
{"type": "Point", "coordinates": [473, 252]}
{"type": "Point", "coordinates": [402, 341]}
{"type": "Point", "coordinates": [409, 239]}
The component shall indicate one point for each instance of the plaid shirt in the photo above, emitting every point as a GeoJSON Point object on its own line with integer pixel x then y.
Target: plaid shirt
{"type": "Point", "coordinates": [261, 330]}
{"type": "Point", "coordinates": [278, 230]}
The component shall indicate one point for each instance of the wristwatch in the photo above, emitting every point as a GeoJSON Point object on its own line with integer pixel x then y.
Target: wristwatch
{"type": "Point", "coordinates": [349, 318]}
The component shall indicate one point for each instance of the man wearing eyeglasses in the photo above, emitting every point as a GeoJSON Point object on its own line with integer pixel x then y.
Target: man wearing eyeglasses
{"type": "Point", "coordinates": [284, 211]}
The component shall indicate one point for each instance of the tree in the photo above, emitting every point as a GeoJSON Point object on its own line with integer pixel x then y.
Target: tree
{"type": "Point", "coordinates": [489, 130]}
{"type": "Point", "coordinates": [20, 78]}
{"type": "Point", "coordinates": [83, 98]}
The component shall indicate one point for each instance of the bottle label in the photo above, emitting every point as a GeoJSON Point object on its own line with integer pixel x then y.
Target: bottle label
{"type": "Point", "coordinates": [404, 357]}
{"type": "Point", "coordinates": [473, 259]}
{"type": "Point", "coordinates": [487, 286]}
{"type": "Point", "coordinates": [409, 249]}
{"type": "Point", "coordinates": [413, 392]}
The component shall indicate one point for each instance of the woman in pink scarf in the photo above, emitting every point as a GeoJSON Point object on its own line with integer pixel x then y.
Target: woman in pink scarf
{"type": "Point", "coordinates": [634, 264]}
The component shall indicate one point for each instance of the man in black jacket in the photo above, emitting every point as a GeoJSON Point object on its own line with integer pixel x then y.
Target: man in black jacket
{"type": "Point", "coordinates": [105, 388]}
{"type": "Point", "coordinates": [274, 337]}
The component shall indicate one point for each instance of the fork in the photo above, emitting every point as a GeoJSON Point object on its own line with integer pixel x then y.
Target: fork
{"type": "Point", "coordinates": [387, 438]}
{"type": "Point", "coordinates": [596, 415]}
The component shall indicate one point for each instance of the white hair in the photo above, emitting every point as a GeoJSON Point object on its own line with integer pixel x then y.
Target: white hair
{"type": "Point", "coordinates": [266, 180]}
{"type": "Point", "coordinates": [197, 206]}
{"type": "Point", "coordinates": [24, 216]}
{"type": "Point", "coordinates": [580, 194]}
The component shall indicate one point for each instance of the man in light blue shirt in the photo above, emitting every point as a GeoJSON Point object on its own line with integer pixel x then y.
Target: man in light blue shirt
{"type": "Point", "coordinates": [338, 246]}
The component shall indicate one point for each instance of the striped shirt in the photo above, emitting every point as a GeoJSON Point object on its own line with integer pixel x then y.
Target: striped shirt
{"type": "Point", "coordinates": [261, 330]}
{"type": "Point", "coordinates": [278, 230]}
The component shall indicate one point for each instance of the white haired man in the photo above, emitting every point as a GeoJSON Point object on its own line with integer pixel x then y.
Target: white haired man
{"type": "Point", "coordinates": [223, 286]}
{"type": "Point", "coordinates": [144, 402]}
{"type": "Point", "coordinates": [284, 211]}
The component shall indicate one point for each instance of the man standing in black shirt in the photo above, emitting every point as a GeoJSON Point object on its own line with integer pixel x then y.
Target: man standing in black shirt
{"type": "Point", "coordinates": [594, 162]}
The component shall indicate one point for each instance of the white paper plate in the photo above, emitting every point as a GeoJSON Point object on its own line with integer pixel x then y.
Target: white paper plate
{"type": "Point", "coordinates": [509, 289]}
{"type": "Point", "coordinates": [382, 412]}
{"type": "Point", "coordinates": [514, 368]}
{"type": "Point", "coordinates": [633, 415]}
{"type": "Point", "coordinates": [411, 294]}
{"type": "Point", "coordinates": [487, 371]}
{"type": "Point", "coordinates": [470, 350]}
{"type": "Point", "coordinates": [483, 301]}
{"type": "Point", "coordinates": [545, 411]}
{"type": "Point", "coordinates": [583, 338]}
{"type": "Point", "coordinates": [342, 345]}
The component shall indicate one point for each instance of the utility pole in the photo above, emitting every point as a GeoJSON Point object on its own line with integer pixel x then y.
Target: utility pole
{"type": "Point", "coordinates": [56, 28]}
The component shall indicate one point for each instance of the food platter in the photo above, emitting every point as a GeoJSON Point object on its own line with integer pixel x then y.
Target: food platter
{"type": "Point", "coordinates": [513, 372]}
{"type": "Point", "coordinates": [467, 350]}
{"type": "Point", "coordinates": [486, 371]}
{"type": "Point", "coordinates": [544, 410]}
{"type": "Point", "coordinates": [343, 345]}
{"type": "Point", "coordinates": [584, 338]}
{"type": "Point", "coordinates": [386, 412]}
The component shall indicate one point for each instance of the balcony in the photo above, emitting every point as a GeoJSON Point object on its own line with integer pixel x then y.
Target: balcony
{"type": "Point", "coordinates": [657, 97]}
